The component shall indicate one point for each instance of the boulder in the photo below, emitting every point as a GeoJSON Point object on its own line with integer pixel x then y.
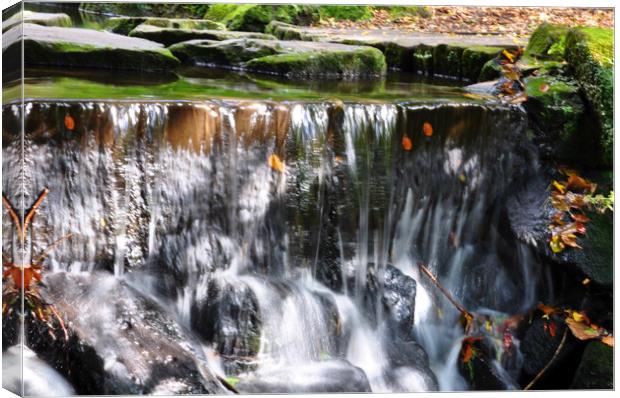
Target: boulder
{"type": "Point", "coordinates": [330, 376]}
{"type": "Point", "coordinates": [596, 370]}
{"type": "Point", "coordinates": [124, 25]}
{"type": "Point", "coordinates": [119, 341]}
{"type": "Point", "coordinates": [38, 18]}
{"type": "Point", "coordinates": [169, 36]}
{"type": "Point", "coordinates": [72, 47]}
{"type": "Point", "coordinates": [529, 213]}
{"type": "Point", "coordinates": [288, 58]}
{"type": "Point", "coordinates": [590, 56]}
{"type": "Point", "coordinates": [547, 42]}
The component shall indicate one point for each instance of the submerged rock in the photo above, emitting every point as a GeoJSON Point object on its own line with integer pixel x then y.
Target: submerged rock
{"type": "Point", "coordinates": [87, 48]}
{"type": "Point", "coordinates": [315, 377]}
{"type": "Point", "coordinates": [169, 35]}
{"type": "Point", "coordinates": [120, 342]}
{"type": "Point", "coordinates": [38, 18]}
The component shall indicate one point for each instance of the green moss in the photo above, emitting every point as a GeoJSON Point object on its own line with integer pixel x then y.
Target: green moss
{"type": "Point", "coordinates": [227, 53]}
{"type": "Point", "coordinates": [547, 41]}
{"type": "Point", "coordinates": [91, 56]}
{"type": "Point", "coordinates": [123, 25]}
{"type": "Point", "coordinates": [596, 370]}
{"type": "Point", "coordinates": [363, 62]}
{"type": "Point", "coordinates": [406, 11]}
{"type": "Point", "coordinates": [447, 60]}
{"type": "Point", "coordinates": [474, 58]}
{"type": "Point", "coordinates": [254, 18]}
{"type": "Point", "coordinates": [589, 52]}
{"type": "Point", "coordinates": [490, 71]}
{"type": "Point", "coordinates": [349, 13]}
{"type": "Point", "coordinates": [148, 9]}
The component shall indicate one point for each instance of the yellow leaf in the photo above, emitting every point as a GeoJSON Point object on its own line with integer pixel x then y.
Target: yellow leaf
{"type": "Point", "coordinates": [276, 163]}
{"type": "Point", "coordinates": [577, 316]}
{"type": "Point", "coordinates": [508, 55]}
{"type": "Point", "coordinates": [556, 244]}
{"type": "Point", "coordinates": [581, 331]}
{"type": "Point", "coordinates": [561, 188]}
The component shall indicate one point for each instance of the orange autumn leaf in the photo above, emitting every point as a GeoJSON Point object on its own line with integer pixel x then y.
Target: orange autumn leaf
{"type": "Point", "coordinates": [546, 310]}
{"type": "Point", "coordinates": [608, 340]}
{"type": "Point", "coordinates": [468, 353]}
{"type": "Point", "coordinates": [427, 129]}
{"type": "Point", "coordinates": [544, 88]}
{"type": "Point", "coordinates": [407, 144]}
{"type": "Point", "coordinates": [69, 122]}
{"type": "Point", "coordinates": [276, 163]}
{"type": "Point", "coordinates": [581, 330]}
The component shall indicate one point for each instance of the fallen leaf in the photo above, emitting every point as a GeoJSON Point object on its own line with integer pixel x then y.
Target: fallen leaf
{"type": "Point", "coordinates": [276, 163]}
{"type": "Point", "coordinates": [552, 328]}
{"type": "Point", "coordinates": [608, 340]}
{"type": "Point", "coordinates": [561, 188]}
{"type": "Point", "coordinates": [544, 88]}
{"type": "Point", "coordinates": [581, 331]}
{"type": "Point", "coordinates": [427, 128]}
{"type": "Point", "coordinates": [547, 310]}
{"type": "Point", "coordinates": [556, 245]}
{"type": "Point", "coordinates": [468, 353]}
{"type": "Point", "coordinates": [582, 218]}
{"type": "Point", "coordinates": [69, 122]}
{"type": "Point", "coordinates": [407, 144]}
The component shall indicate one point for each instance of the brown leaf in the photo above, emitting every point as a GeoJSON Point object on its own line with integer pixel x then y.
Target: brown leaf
{"type": "Point", "coordinates": [582, 218]}
{"type": "Point", "coordinates": [581, 330]}
{"type": "Point", "coordinates": [547, 310]}
{"type": "Point", "coordinates": [427, 129]}
{"type": "Point", "coordinates": [608, 340]}
{"type": "Point", "coordinates": [406, 143]}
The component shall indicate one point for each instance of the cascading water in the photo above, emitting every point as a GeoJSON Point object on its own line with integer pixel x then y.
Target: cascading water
{"type": "Point", "coordinates": [295, 276]}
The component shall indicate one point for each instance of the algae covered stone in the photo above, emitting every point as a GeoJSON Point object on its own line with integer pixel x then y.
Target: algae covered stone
{"type": "Point", "coordinates": [356, 61]}
{"type": "Point", "coordinates": [590, 55]}
{"type": "Point", "coordinates": [38, 18]}
{"type": "Point", "coordinates": [71, 47]}
{"type": "Point", "coordinates": [226, 53]}
{"type": "Point", "coordinates": [547, 42]}
{"type": "Point", "coordinates": [170, 36]}
{"type": "Point", "coordinates": [254, 17]}
{"type": "Point", "coordinates": [474, 58]}
{"type": "Point", "coordinates": [124, 25]}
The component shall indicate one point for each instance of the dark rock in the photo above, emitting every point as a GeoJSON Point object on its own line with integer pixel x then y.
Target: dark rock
{"type": "Point", "coordinates": [169, 36]}
{"type": "Point", "coordinates": [596, 370]}
{"type": "Point", "coordinates": [318, 377]}
{"type": "Point", "coordinates": [483, 371]}
{"type": "Point", "coordinates": [120, 342]}
{"type": "Point", "coordinates": [410, 355]}
{"type": "Point", "coordinates": [538, 346]}
{"type": "Point", "coordinates": [229, 317]}
{"type": "Point", "coordinates": [86, 48]}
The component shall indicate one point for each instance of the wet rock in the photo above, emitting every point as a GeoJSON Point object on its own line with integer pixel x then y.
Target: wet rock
{"type": "Point", "coordinates": [410, 356]}
{"type": "Point", "coordinates": [38, 18]}
{"type": "Point", "coordinates": [227, 52]}
{"type": "Point", "coordinates": [169, 36]}
{"type": "Point", "coordinates": [596, 369]}
{"type": "Point", "coordinates": [317, 377]}
{"type": "Point", "coordinates": [229, 317]}
{"type": "Point", "coordinates": [538, 347]}
{"type": "Point", "coordinates": [124, 25]}
{"type": "Point", "coordinates": [120, 342]}
{"type": "Point", "coordinates": [399, 301]}
{"type": "Point", "coordinates": [86, 48]}
{"type": "Point", "coordinates": [285, 31]}
{"type": "Point", "coordinates": [529, 213]}
{"type": "Point", "coordinates": [483, 371]}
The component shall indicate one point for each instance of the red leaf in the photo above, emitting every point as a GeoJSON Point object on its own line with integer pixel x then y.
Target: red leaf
{"type": "Point", "coordinates": [427, 128]}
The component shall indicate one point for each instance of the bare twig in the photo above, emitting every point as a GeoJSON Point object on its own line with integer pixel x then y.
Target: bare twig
{"type": "Point", "coordinates": [555, 354]}
{"type": "Point", "coordinates": [13, 214]}
{"type": "Point", "coordinates": [33, 210]}
{"type": "Point", "coordinates": [50, 248]}
{"type": "Point", "coordinates": [446, 293]}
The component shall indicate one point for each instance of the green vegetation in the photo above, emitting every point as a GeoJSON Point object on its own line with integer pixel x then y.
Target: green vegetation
{"type": "Point", "coordinates": [148, 9]}
{"type": "Point", "coordinates": [547, 42]}
{"type": "Point", "coordinates": [349, 13]}
{"type": "Point", "coordinates": [397, 12]}
{"type": "Point", "coordinates": [254, 18]}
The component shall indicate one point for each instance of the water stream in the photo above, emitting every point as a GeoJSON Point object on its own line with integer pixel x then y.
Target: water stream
{"type": "Point", "coordinates": [280, 273]}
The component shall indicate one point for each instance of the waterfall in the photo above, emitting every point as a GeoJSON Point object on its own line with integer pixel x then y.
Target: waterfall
{"type": "Point", "coordinates": [281, 271]}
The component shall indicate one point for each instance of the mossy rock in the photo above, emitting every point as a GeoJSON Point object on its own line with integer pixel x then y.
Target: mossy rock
{"type": "Point", "coordinates": [351, 63]}
{"type": "Point", "coordinates": [490, 71]}
{"type": "Point", "coordinates": [146, 9]}
{"type": "Point", "coordinates": [87, 48]}
{"type": "Point", "coordinates": [124, 25]}
{"type": "Point", "coordinates": [170, 36]}
{"type": "Point", "coordinates": [38, 18]}
{"type": "Point", "coordinates": [226, 53]}
{"type": "Point", "coordinates": [422, 59]}
{"type": "Point", "coordinates": [285, 31]}
{"type": "Point", "coordinates": [254, 17]}
{"type": "Point", "coordinates": [474, 58]}
{"type": "Point", "coordinates": [556, 109]}
{"type": "Point", "coordinates": [590, 56]}
{"type": "Point", "coordinates": [447, 60]}
{"type": "Point", "coordinates": [596, 370]}
{"type": "Point", "coordinates": [547, 42]}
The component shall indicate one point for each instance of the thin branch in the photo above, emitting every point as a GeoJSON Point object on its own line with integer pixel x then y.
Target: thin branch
{"type": "Point", "coordinates": [50, 248]}
{"type": "Point", "coordinates": [446, 293]}
{"type": "Point", "coordinates": [33, 210]}
{"type": "Point", "coordinates": [555, 354]}
{"type": "Point", "coordinates": [14, 217]}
